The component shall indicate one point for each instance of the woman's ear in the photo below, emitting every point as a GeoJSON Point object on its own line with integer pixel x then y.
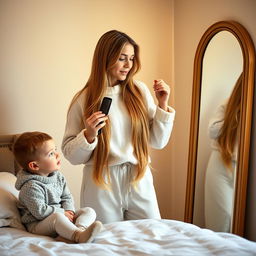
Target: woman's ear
{"type": "Point", "coordinates": [33, 166]}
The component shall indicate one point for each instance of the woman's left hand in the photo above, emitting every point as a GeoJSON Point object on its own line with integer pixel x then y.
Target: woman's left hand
{"type": "Point", "coordinates": [162, 92]}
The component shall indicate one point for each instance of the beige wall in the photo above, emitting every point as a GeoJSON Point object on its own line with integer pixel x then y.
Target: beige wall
{"type": "Point", "coordinates": [46, 51]}
{"type": "Point", "coordinates": [191, 19]}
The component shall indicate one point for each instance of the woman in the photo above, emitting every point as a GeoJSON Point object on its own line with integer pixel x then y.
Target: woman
{"type": "Point", "coordinates": [220, 173]}
{"type": "Point", "coordinates": [117, 181]}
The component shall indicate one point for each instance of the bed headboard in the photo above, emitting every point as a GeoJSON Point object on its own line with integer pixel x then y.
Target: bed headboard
{"type": "Point", "coordinates": [7, 161]}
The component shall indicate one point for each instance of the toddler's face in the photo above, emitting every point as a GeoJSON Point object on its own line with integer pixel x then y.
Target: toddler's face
{"type": "Point", "coordinates": [48, 158]}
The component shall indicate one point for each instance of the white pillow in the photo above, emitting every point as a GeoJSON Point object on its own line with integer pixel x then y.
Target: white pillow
{"type": "Point", "coordinates": [9, 214]}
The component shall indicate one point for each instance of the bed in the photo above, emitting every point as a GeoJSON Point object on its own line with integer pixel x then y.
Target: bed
{"type": "Point", "coordinates": [138, 237]}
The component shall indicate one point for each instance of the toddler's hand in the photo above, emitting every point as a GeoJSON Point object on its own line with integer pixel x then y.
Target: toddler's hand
{"type": "Point", "coordinates": [70, 215]}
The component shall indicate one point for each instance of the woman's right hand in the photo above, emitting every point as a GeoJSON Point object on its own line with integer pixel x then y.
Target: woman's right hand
{"type": "Point", "coordinates": [93, 123]}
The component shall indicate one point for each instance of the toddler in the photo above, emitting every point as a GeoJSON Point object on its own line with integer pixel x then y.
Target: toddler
{"type": "Point", "coordinates": [45, 202]}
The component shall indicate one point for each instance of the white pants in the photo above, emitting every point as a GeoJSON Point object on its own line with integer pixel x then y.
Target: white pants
{"type": "Point", "coordinates": [123, 201]}
{"type": "Point", "coordinates": [219, 194]}
{"type": "Point", "coordinates": [58, 224]}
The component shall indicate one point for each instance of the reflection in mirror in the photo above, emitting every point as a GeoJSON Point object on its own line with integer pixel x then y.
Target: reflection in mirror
{"type": "Point", "coordinates": [216, 70]}
{"type": "Point", "coordinates": [222, 64]}
{"type": "Point", "coordinates": [220, 174]}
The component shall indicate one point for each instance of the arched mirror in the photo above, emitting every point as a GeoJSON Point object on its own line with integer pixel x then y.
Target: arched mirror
{"type": "Point", "coordinates": [220, 128]}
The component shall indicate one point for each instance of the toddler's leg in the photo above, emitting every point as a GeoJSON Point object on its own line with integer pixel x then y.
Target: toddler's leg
{"type": "Point", "coordinates": [85, 217]}
{"type": "Point", "coordinates": [54, 223]}
{"type": "Point", "coordinates": [60, 224]}
{"type": "Point", "coordinates": [85, 220]}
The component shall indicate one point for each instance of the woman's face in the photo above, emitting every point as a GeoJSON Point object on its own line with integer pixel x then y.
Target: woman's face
{"type": "Point", "coordinates": [123, 65]}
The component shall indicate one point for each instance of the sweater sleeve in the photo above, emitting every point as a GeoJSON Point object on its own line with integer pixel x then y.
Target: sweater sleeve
{"type": "Point", "coordinates": [216, 122]}
{"type": "Point", "coordinates": [160, 121]}
{"type": "Point", "coordinates": [75, 147]}
{"type": "Point", "coordinates": [33, 198]}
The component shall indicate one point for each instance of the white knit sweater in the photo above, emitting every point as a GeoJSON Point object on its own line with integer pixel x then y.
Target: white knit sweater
{"type": "Point", "coordinates": [40, 196]}
{"type": "Point", "coordinates": [78, 151]}
{"type": "Point", "coordinates": [214, 128]}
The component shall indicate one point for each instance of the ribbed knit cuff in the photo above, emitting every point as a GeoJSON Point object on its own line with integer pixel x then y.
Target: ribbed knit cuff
{"type": "Point", "coordinates": [165, 116]}
{"type": "Point", "coordinates": [84, 144]}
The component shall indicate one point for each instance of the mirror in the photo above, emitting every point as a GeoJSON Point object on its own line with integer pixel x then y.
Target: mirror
{"type": "Point", "coordinates": [225, 53]}
{"type": "Point", "coordinates": [222, 65]}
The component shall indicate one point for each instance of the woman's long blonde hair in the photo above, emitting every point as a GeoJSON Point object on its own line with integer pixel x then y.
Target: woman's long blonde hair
{"type": "Point", "coordinates": [229, 131]}
{"type": "Point", "coordinates": [106, 54]}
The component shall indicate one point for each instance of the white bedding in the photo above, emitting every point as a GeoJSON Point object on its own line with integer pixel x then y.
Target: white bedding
{"type": "Point", "coordinates": [140, 237]}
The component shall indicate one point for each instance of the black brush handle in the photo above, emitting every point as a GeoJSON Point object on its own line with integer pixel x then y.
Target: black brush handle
{"type": "Point", "coordinates": [105, 106]}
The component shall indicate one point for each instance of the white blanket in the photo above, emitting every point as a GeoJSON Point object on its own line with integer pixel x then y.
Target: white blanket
{"type": "Point", "coordinates": [140, 237]}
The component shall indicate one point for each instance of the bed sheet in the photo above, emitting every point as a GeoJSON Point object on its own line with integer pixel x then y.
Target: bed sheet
{"type": "Point", "coordinates": [139, 237]}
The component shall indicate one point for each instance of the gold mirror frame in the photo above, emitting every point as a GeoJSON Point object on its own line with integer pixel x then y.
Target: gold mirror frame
{"type": "Point", "coordinates": [248, 51]}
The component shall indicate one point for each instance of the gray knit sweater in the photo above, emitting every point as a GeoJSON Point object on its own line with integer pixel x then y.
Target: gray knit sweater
{"type": "Point", "coordinates": [41, 196]}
